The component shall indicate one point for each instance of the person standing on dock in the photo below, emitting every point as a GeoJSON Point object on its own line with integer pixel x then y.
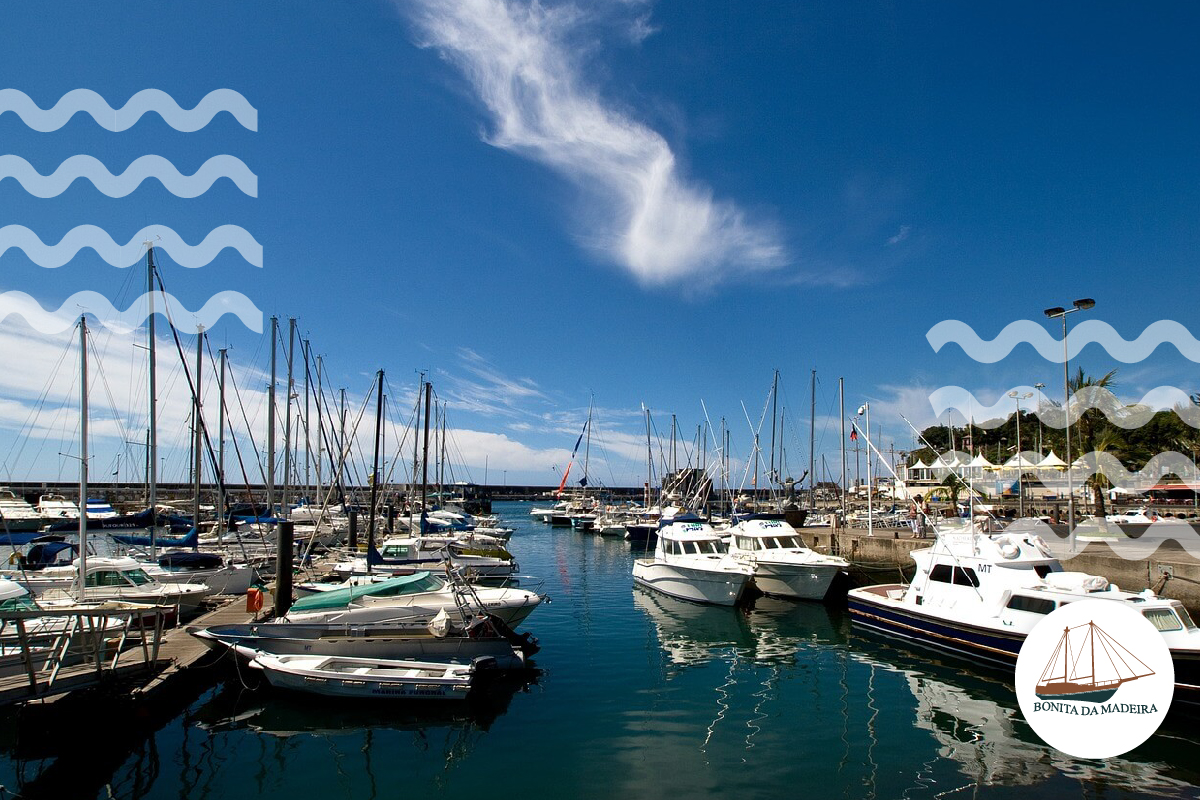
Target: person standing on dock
{"type": "Point", "coordinates": [914, 517]}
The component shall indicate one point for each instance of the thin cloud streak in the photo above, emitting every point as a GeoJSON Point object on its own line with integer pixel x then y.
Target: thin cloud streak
{"type": "Point", "coordinates": [651, 220]}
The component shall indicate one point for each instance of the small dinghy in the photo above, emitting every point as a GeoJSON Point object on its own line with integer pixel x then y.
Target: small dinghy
{"type": "Point", "coordinates": [339, 676]}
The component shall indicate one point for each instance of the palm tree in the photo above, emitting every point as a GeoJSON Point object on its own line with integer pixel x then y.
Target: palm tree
{"type": "Point", "coordinates": [1093, 431]}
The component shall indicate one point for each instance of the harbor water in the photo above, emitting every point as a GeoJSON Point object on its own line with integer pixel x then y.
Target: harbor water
{"type": "Point", "coordinates": [639, 695]}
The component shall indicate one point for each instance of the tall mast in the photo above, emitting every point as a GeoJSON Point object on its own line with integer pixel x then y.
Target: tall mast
{"type": "Point", "coordinates": [375, 464]}
{"type": "Point", "coordinates": [221, 442]}
{"type": "Point", "coordinates": [285, 509]}
{"type": "Point", "coordinates": [649, 458]}
{"type": "Point", "coordinates": [307, 425]}
{"type": "Point", "coordinates": [774, 409]}
{"type": "Point", "coordinates": [425, 456]}
{"type": "Point", "coordinates": [152, 456]}
{"type": "Point", "coordinates": [83, 457]}
{"type": "Point", "coordinates": [442, 467]}
{"type": "Point", "coordinates": [587, 446]}
{"type": "Point", "coordinates": [812, 443]}
{"type": "Point", "coordinates": [197, 423]}
{"type": "Point", "coordinates": [412, 484]}
{"type": "Point", "coordinates": [271, 422]}
{"type": "Point", "coordinates": [342, 451]}
{"type": "Point", "coordinates": [320, 424]}
{"type": "Point", "coordinates": [842, 417]}
{"type": "Point", "coordinates": [674, 459]}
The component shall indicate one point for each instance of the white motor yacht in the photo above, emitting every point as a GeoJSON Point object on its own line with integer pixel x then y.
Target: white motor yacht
{"type": "Point", "coordinates": [16, 514]}
{"type": "Point", "coordinates": [485, 555]}
{"type": "Point", "coordinates": [981, 595]}
{"type": "Point", "coordinates": [114, 579]}
{"type": "Point", "coordinates": [690, 562]}
{"type": "Point", "coordinates": [56, 508]}
{"type": "Point", "coordinates": [783, 565]}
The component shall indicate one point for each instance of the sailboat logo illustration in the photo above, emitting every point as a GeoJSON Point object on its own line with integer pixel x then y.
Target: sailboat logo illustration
{"type": "Point", "coordinates": [1091, 671]}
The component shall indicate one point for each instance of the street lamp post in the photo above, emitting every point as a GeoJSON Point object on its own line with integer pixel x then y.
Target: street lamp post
{"type": "Point", "coordinates": [1061, 313]}
{"type": "Point", "coordinates": [1020, 471]}
{"type": "Point", "coordinates": [1039, 387]}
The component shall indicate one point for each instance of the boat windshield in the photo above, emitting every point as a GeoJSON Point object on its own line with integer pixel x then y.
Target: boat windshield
{"type": "Point", "coordinates": [1186, 617]}
{"type": "Point", "coordinates": [138, 576]}
{"type": "Point", "coordinates": [782, 542]}
{"type": "Point", "coordinates": [22, 603]}
{"type": "Point", "coordinates": [702, 547]}
{"type": "Point", "coordinates": [428, 583]}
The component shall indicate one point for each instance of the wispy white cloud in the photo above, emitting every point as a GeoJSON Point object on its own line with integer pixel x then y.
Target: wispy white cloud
{"type": "Point", "coordinates": [522, 59]}
{"type": "Point", "coordinates": [900, 236]}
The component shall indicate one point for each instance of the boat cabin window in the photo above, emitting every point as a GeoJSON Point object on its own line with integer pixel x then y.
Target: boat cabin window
{"type": "Point", "coordinates": [747, 543]}
{"type": "Point", "coordinates": [1163, 619]}
{"type": "Point", "coordinates": [959, 576]}
{"type": "Point", "coordinates": [105, 577]}
{"type": "Point", "coordinates": [1034, 605]}
{"type": "Point", "coordinates": [395, 551]}
{"type": "Point", "coordinates": [137, 576]}
{"type": "Point", "coordinates": [785, 542]}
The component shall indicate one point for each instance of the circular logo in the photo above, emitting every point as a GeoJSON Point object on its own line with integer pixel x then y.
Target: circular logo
{"type": "Point", "coordinates": [1094, 678]}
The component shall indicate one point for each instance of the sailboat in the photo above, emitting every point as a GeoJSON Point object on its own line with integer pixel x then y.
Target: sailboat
{"type": "Point", "coordinates": [1083, 678]}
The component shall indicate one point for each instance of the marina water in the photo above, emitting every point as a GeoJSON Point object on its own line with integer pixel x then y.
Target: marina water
{"type": "Point", "coordinates": [639, 696]}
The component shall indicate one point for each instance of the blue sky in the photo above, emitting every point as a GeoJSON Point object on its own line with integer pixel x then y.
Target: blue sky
{"type": "Point", "coordinates": [652, 203]}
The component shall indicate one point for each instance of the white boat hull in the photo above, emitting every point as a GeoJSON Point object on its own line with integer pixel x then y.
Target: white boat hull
{"type": "Point", "coordinates": [799, 581]}
{"type": "Point", "coordinates": [719, 588]}
{"type": "Point", "coordinates": [366, 678]}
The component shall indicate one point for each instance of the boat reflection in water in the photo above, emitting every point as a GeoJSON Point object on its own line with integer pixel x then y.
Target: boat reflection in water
{"type": "Point", "coordinates": [977, 724]}
{"type": "Point", "coordinates": [759, 644]}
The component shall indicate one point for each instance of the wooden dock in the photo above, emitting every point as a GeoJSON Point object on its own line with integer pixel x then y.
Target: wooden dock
{"type": "Point", "coordinates": [140, 671]}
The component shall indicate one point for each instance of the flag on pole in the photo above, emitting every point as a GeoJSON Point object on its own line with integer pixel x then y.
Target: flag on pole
{"type": "Point", "coordinates": [574, 450]}
{"type": "Point", "coordinates": [853, 434]}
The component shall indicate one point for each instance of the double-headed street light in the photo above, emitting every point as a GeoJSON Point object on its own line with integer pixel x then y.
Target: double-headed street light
{"type": "Point", "coordinates": [1018, 396]}
{"type": "Point", "coordinates": [1061, 313]}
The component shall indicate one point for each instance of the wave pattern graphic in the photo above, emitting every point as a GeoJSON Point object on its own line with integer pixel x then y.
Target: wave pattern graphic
{"type": "Point", "coordinates": [1140, 547]}
{"type": "Point", "coordinates": [1084, 467]}
{"type": "Point", "coordinates": [53, 256]}
{"type": "Point", "coordinates": [141, 169]}
{"type": "Point", "coordinates": [1051, 349]}
{"type": "Point", "coordinates": [55, 322]}
{"type": "Point", "coordinates": [124, 118]}
{"type": "Point", "coordinates": [1051, 414]}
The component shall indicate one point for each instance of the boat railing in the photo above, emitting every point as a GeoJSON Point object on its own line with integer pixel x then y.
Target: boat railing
{"type": "Point", "coordinates": [87, 647]}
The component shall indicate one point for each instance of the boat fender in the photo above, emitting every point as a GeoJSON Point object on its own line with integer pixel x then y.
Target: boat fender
{"type": "Point", "coordinates": [1008, 548]}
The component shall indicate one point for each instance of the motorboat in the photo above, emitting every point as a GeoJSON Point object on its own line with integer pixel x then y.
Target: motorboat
{"type": "Point", "coordinates": [544, 514]}
{"type": "Point", "coordinates": [114, 579]}
{"type": "Point", "coordinates": [691, 563]}
{"type": "Point", "coordinates": [16, 515]}
{"type": "Point", "coordinates": [980, 595]}
{"type": "Point", "coordinates": [484, 555]}
{"type": "Point", "coordinates": [220, 574]}
{"type": "Point", "coordinates": [374, 678]}
{"type": "Point", "coordinates": [56, 508]}
{"type": "Point", "coordinates": [99, 508]}
{"type": "Point", "coordinates": [609, 524]}
{"type": "Point", "coordinates": [783, 565]}
{"type": "Point", "coordinates": [446, 639]}
{"type": "Point", "coordinates": [416, 597]}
